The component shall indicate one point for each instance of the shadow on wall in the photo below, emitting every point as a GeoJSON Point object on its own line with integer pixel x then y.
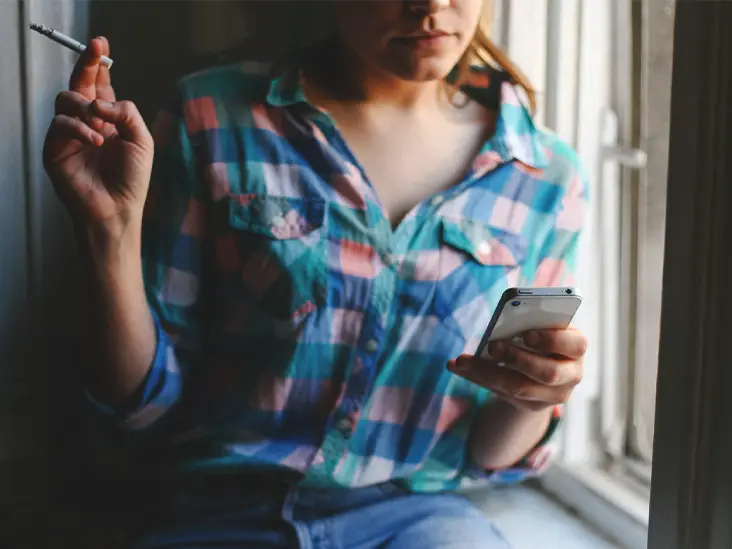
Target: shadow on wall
{"type": "Point", "coordinates": [155, 43]}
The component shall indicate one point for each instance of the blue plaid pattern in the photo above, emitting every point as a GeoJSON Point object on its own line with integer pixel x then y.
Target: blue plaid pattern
{"type": "Point", "coordinates": [296, 328]}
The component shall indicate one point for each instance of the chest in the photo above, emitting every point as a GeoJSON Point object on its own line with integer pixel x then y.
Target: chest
{"type": "Point", "coordinates": [408, 163]}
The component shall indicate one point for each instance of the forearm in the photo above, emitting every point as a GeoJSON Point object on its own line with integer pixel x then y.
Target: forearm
{"type": "Point", "coordinates": [121, 329]}
{"type": "Point", "coordinates": [502, 434]}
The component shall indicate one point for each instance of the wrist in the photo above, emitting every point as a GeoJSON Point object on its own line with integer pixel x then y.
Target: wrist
{"type": "Point", "coordinates": [112, 241]}
{"type": "Point", "coordinates": [505, 416]}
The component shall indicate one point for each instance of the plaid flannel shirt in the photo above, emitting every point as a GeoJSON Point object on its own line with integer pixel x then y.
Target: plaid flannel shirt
{"type": "Point", "coordinates": [295, 327]}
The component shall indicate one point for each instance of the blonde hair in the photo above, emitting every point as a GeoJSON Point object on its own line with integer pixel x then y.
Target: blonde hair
{"type": "Point", "coordinates": [483, 51]}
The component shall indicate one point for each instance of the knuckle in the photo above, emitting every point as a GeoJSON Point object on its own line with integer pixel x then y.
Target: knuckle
{"type": "Point", "coordinates": [535, 406]}
{"type": "Point", "coordinates": [60, 100]}
{"type": "Point", "coordinates": [575, 380]}
{"type": "Point", "coordinates": [549, 375]}
{"type": "Point", "coordinates": [523, 391]}
{"type": "Point", "coordinates": [563, 396]}
{"type": "Point", "coordinates": [580, 346]}
{"type": "Point", "coordinates": [512, 355]}
{"type": "Point", "coordinates": [575, 377]}
{"type": "Point", "coordinates": [128, 108]}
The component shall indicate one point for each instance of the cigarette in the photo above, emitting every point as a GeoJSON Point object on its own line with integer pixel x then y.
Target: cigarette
{"type": "Point", "coordinates": [67, 41]}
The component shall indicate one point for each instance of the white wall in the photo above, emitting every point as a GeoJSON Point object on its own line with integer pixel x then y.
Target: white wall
{"type": "Point", "coordinates": [37, 304]}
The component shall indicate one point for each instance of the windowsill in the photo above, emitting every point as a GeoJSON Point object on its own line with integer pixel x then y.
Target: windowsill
{"type": "Point", "coordinates": [530, 519]}
{"type": "Point", "coordinates": [601, 500]}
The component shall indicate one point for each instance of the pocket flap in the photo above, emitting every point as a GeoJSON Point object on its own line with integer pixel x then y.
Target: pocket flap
{"type": "Point", "coordinates": [276, 217]}
{"type": "Point", "coordinates": [487, 245]}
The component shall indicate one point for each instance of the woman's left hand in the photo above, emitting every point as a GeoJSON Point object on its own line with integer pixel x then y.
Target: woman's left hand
{"type": "Point", "coordinates": [529, 380]}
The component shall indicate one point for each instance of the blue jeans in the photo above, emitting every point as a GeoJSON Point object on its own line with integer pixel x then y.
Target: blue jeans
{"type": "Point", "coordinates": [383, 517]}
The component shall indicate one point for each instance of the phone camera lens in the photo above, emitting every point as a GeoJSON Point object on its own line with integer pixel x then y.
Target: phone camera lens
{"type": "Point", "coordinates": [568, 291]}
{"type": "Point", "coordinates": [515, 303]}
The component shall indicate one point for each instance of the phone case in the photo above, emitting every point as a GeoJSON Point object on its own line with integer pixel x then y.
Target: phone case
{"type": "Point", "coordinates": [523, 309]}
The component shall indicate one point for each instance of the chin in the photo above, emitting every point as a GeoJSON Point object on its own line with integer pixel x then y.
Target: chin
{"type": "Point", "coordinates": [426, 70]}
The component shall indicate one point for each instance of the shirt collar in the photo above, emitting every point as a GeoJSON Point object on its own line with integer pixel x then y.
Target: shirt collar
{"type": "Point", "coordinates": [516, 135]}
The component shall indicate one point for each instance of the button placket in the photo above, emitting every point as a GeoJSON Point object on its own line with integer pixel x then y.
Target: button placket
{"type": "Point", "coordinates": [371, 346]}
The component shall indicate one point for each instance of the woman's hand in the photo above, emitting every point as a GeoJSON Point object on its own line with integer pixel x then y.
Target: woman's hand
{"type": "Point", "coordinates": [98, 152]}
{"type": "Point", "coordinates": [529, 380]}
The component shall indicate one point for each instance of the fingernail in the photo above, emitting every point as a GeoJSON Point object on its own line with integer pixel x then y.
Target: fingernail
{"type": "Point", "coordinates": [102, 103]}
{"type": "Point", "coordinates": [458, 365]}
{"type": "Point", "coordinates": [531, 338]}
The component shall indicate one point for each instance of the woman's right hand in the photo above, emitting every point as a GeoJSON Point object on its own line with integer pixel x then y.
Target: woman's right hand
{"type": "Point", "coordinates": [98, 151]}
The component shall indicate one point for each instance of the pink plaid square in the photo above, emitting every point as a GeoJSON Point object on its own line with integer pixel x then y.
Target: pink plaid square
{"type": "Point", "coordinates": [357, 259]}
{"type": "Point", "coordinates": [268, 119]}
{"type": "Point", "coordinates": [509, 215]}
{"type": "Point", "coordinates": [217, 180]}
{"type": "Point", "coordinates": [346, 327]}
{"type": "Point", "coordinates": [572, 216]}
{"type": "Point", "coordinates": [452, 411]}
{"type": "Point", "coordinates": [193, 224]}
{"type": "Point", "coordinates": [391, 405]}
{"type": "Point", "coordinates": [200, 115]}
{"type": "Point", "coordinates": [271, 393]}
{"type": "Point", "coordinates": [553, 272]}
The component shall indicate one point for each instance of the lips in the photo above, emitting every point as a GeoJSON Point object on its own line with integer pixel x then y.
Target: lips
{"type": "Point", "coordinates": [426, 35]}
{"type": "Point", "coordinates": [426, 41]}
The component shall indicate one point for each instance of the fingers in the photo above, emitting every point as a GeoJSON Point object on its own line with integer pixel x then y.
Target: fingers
{"type": "Point", "coordinates": [105, 91]}
{"type": "Point", "coordinates": [547, 370]}
{"type": "Point", "coordinates": [75, 104]}
{"type": "Point", "coordinates": [126, 118]}
{"type": "Point", "coordinates": [509, 383]}
{"type": "Point", "coordinates": [84, 76]}
{"type": "Point", "coordinates": [73, 128]}
{"type": "Point", "coordinates": [569, 343]}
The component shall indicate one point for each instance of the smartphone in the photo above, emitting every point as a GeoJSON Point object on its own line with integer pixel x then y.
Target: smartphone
{"type": "Point", "coordinates": [524, 309]}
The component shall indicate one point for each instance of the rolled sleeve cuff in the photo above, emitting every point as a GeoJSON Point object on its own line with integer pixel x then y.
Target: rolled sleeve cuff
{"type": "Point", "coordinates": [536, 461]}
{"type": "Point", "coordinates": [159, 391]}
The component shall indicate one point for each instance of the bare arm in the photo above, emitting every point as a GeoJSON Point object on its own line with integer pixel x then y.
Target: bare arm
{"type": "Point", "coordinates": [118, 319]}
{"type": "Point", "coordinates": [98, 153]}
{"type": "Point", "coordinates": [504, 434]}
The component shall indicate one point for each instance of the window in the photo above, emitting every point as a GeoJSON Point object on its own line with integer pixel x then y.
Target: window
{"type": "Point", "coordinates": [603, 73]}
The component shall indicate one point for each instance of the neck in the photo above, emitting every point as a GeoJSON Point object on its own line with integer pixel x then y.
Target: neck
{"type": "Point", "coordinates": [354, 81]}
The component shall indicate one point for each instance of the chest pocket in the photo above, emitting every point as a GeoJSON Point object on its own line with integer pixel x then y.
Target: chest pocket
{"type": "Point", "coordinates": [282, 253]}
{"type": "Point", "coordinates": [480, 257]}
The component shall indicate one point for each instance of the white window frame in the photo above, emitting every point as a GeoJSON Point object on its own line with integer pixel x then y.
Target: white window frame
{"type": "Point", "coordinates": [587, 97]}
{"type": "Point", "coordinates": [691, 490]}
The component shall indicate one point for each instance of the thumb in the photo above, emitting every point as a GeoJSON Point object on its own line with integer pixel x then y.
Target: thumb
{"type": "Point", "coordinates": [125, 117]}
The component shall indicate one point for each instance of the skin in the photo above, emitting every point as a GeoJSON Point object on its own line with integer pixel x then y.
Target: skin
{"type": "Point", "coordinates": [99, 153]}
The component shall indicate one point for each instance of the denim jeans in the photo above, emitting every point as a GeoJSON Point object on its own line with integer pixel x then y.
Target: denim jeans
{"type": "Point", "coordinates": [384, 517]}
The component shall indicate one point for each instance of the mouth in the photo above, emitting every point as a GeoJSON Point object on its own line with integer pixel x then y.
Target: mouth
{"type": "Point", "coordinates": [425, 39]}
{"type": "Point", "coordinates": [426, 35]}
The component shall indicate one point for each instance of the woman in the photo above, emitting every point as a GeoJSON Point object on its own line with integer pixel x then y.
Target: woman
{"type": "Point", "coordinates": [287, 327]}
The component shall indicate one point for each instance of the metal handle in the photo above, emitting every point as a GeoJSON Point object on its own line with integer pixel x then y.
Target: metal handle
{"type": "Point", "coordinates": [626, 157]}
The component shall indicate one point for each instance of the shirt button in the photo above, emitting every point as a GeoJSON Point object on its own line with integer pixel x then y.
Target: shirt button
{"type": "Point", "coordinates": [371, 346]}
{"type": "Point", "coordinates": [484, 248]}
{"type": "Point", "coordinates": [436, 201]}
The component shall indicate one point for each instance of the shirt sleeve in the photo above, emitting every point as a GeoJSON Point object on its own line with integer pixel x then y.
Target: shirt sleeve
{"type": "Point", "coordinates": [556, 268]}
{"type": "Point", "coordinates": [172, 245]}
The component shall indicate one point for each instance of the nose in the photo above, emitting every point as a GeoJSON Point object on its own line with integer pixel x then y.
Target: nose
{"type": "Point", "coordinates": [427, 7]}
